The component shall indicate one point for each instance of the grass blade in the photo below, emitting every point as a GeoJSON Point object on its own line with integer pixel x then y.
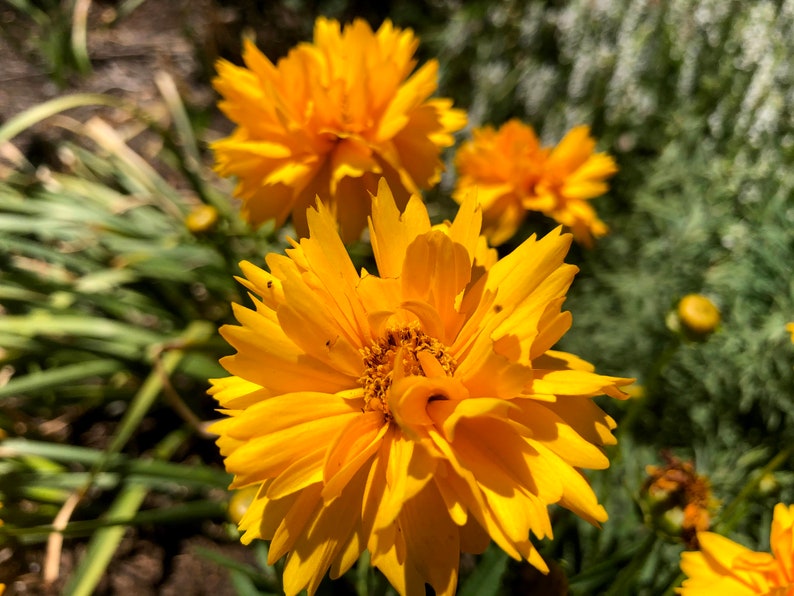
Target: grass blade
{"type": "Point", "coordinates": [105, 541]}
{"type": "Point", "coordinates": [79, 38]}
{"type": "Point", "coordinates": [42, 111]}
{"type": "Point", "coordinates": [55, 377]}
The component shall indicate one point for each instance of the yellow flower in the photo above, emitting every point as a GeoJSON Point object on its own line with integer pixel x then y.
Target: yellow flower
{"type": "Point", "coordinates": [416, 413]}
{"type": "Point", "coordinates": [513, 173]}
{"type": "Point", "coordinates": [329, 120]}
{"type": "Point", "coordinates": [573, 175]}
{"type": "Point", "coordinates": [502, 167]}
{"type": "Point", "coordinates": [725, 567]}
{"type": "Point", "coordinates": [790, 329]}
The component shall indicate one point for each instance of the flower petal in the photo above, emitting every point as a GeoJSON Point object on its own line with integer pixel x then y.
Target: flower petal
{"type": "Point", "coordinates": [392, 232]}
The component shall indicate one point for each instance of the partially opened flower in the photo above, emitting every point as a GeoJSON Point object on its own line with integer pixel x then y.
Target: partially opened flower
{"type": "Point", "coordinates": [416, 413]}
{"type": "Point", "coordinates": [514, 174]}
{"type": "Point", "coordinates": [725, 567]}
{"type": "Point", "coordinates": [330, 119]}
{"type": "Point", "coordinates": [677, 501]}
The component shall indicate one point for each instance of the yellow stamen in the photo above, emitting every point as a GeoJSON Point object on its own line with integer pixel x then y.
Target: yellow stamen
{"type": "Point", "coordinates": [407, 342]}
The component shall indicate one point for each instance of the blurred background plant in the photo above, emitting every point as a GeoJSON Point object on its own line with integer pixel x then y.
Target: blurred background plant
{"type": "Point", "coordinates": [118, 248]}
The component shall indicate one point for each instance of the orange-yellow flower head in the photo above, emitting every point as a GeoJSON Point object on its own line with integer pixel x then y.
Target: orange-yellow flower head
{"type": "Point", "coordinates": [329, 120]}
{"type": "Point", "coordinates": [415, 413]}
{"type": "Point", "coordinates": [512, 174]}
{"type": "Point", "coordinates": [725, 567]}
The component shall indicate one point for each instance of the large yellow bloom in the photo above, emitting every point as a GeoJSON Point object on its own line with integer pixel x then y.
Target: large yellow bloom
{"type": "Point", "coordinates": [416, 413]}
{"type": "Point", "coordinates": [725, 567]}
{"type": "Point", "coordinates": [330, 119]}
{"type": "Point", "coordinates": [512, 173]}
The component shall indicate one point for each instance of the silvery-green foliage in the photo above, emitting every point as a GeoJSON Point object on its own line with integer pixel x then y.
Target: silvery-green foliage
{"type": "Point", "coordinates": [694, 98]}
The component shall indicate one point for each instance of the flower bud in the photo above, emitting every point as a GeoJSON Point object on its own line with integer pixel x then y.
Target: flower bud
{"type": "Point", "coordinates": [240, 502]}
{"type": "Point", "coordinates": [768, 485]}
{"type": "Point", "coordinates": [697, 317]}
{"type": "Point", "coordinates": [201, 219]}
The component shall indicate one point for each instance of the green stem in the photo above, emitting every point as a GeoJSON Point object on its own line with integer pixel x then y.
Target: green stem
{"type": "Point", "coordinates": [625, 577]}
{"type": "Point", "coordinates": [730, 515]}
{"type": "Point", "coordinates": [676, 582]}
{"type": "Point", "coordinates": [362, 574]}
{"type": "Point", "coordinates": [650, 383]}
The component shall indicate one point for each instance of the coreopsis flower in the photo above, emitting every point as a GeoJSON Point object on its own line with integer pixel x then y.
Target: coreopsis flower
{"type": "Point", "coordinates": [677, 500]}
{"type": "Point", "coordinates": [417, 413]}
{"type": "Point", "coordinates": [725, 567]}
{"type": "Point", "coordinates": [513, 174]}
{"type": "Point", "coordinates": [790, 329]}
{"type": "Point", "coordinates": [502, 167]}
{"type": "Point", "coordinates": [329, 120]}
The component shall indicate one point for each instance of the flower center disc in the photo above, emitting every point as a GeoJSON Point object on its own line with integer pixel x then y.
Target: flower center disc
{"type": "Point", "coordinates": [380, 357]}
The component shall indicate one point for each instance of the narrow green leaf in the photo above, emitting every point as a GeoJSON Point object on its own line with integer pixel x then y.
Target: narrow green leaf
{"type": "Point", "coordinates": [176, 514]}
{"type": "Point", "coordinates": [79, 38]}
{"type": "Point", "coordinates": [20, 294]}
{"type": "Point", "coordinates": [244, 585]}
{"type": "Point", "coordinates": [42, 111]}
{"type": "Point", "coordinates": [136, 167]}
{"type": "Point", "coordinates": [178, 473]}
{"type": "Point", "coordinates": [54, 377]}
{"type": "Point", "coordinates": [151, 389]}
{"type": "Point", "coordinates": [104, 543]}
{"type": "Point", "coordinates": [47, 324]}
{"type": "Point", "coordinates": [190, 157]}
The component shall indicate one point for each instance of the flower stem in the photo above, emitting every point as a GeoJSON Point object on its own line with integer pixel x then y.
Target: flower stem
{"type": "Point", "coordinates": [730, 515]}
{"type": "Point", "coordinates": [625, 577]}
